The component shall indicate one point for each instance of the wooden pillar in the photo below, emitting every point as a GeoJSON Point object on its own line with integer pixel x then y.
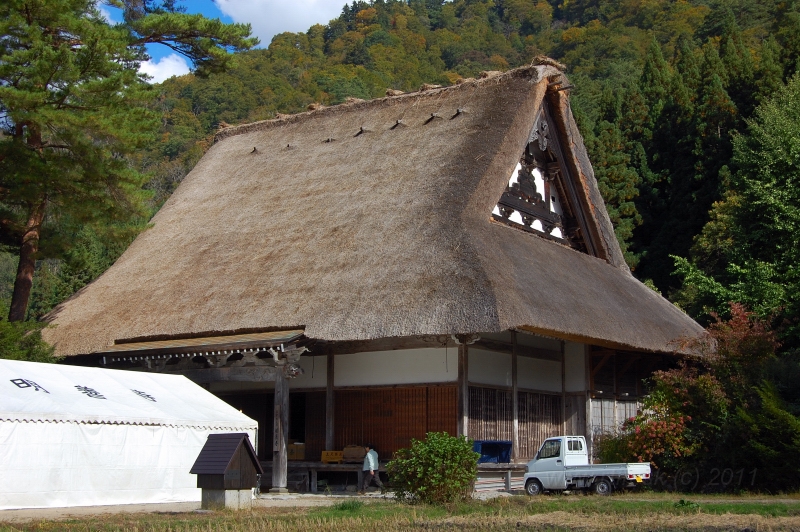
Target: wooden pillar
{"type": "Point", "coordinates": [563, 388]}
{"type": "Point", "coordinates": [463, 390]}
{"type": "Point", "coordinates": [588, 429]}
{"type": "Point", "coordinates": [616, 391]}
{"type": "Point", "coordinates": [330, 406]}
{"type": "Point", "coordinates": [514, 404]}
{"type": "Point", "coordinates": [280, 435]}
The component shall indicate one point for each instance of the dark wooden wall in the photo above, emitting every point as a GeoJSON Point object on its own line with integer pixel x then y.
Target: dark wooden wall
{"type": "Point", "coordinates": [390, 417]}
{"type": "Point", "coordinates": [575, 410]}
{"type": "Point", "coordinates": [257, 406]}
{"type": "Point", "coordinates": [315, 425]}
{"type": "Point", "coordinates": [490, 414]}
{"type": "Point", "coordinates": [540, 417]}
{"type": "Point", "coordinates": [491, 417]}
{"type": "Point", "coordinates": [621, 374]}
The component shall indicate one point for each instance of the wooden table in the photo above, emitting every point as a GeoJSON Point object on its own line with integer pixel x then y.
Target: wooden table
{"type": "Point", "coordinates": [312, 468]}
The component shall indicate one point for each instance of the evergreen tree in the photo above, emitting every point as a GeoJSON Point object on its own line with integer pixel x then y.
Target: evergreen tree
{"type": "Point", "coordinates": [655, 79]}
{"type": "Point", "coordinates": [769, 74]}
{"type": "Point", "coordinates": [739, 65]}
{"type": "Point", "coordinates": [23, 341]}
{"type": "Point", "coordinates": [788, 36]}
{"type": "Point", "coordinates": [618, 183]}
{"type": "Point", "coordinates": [73, 107]}
{"type": "Point", "coordinates": [758, 222]}
{"type": "Point", "coordinates": [687, 65]}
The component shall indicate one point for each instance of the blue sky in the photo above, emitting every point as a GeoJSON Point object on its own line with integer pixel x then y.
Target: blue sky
{"type": "Point", "coordinates": [267, 17]}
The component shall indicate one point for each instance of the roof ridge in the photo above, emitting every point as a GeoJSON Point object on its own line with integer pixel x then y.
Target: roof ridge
{"type": "Point", "coordinates": [537, 70]}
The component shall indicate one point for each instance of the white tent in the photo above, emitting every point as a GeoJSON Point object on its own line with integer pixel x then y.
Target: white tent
{"type": "Point", "coordinates": [78, 436]}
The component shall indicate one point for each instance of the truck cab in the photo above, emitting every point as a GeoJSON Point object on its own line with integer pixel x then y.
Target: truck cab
{"type": "Point", "coordinates": [554, 455]}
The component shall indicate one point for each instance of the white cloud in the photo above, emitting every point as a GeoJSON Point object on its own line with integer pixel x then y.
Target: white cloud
{"type": "Point", "coordinates": [270, 17]}
{"type": "Point", "coordinates": [104, 12]}
{"type": "Point", "coordinates": [164, 68]}
{"type": "Point", "coordinates": [110, 14]}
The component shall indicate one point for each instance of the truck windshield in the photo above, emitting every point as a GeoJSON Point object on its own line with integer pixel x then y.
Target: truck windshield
{"type": "Point", "coordinates": [550, 449]}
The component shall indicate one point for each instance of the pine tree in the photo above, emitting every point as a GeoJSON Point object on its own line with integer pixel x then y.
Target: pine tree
{"type": "Point", "coordinates": [788, 36]}
{"type": "Point", "coordinates": [687, 65]}
{"type": "Point", "coordinates": [739, 65]}
{"type": "Point", "coordinates": [769, 74]}
{"type": "Point", "coordinates": [74, 107]}
{"type": "Point", "coordinates": [655, 79]}
{"type": "Point", "coordinates": [637, 130]}
{"type": "Point", "coordinates": [618, 183]}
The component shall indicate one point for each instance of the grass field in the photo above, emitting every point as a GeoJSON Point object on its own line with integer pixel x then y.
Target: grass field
{"type": "Point", "coordinates": [619, 512]}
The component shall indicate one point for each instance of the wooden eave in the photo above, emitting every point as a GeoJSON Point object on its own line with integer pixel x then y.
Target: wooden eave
{"type": "Point", "coordinates": [204, 344]}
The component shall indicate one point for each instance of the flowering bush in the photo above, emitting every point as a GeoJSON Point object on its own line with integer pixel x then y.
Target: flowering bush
{"type": "Point", "coordinates": [683, 411]}
{"type": "Point", "coordinates": [718, 412]}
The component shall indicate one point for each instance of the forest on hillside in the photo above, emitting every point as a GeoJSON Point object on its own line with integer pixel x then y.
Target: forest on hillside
{"type": "Point", "coordinates": [680, 103]}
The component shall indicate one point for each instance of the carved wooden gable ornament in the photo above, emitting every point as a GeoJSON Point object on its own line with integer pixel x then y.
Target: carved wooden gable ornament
{"type": "Point", "coordinates": [541, 197]}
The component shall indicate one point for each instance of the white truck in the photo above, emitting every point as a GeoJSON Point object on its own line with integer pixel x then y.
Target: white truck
{"type": "Point", "coordinates": [562, 463]}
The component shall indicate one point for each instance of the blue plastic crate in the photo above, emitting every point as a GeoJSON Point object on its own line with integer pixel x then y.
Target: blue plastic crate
{"type": "Point", "coordinates": [493, 451]}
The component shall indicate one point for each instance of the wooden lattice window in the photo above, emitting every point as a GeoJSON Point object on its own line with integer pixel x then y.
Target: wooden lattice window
{"type": "Point", "coordinates": [540, 197]}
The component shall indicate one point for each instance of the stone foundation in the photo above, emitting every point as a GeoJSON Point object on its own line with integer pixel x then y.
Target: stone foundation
{"type": "Point", "coordinates": [220, 499]}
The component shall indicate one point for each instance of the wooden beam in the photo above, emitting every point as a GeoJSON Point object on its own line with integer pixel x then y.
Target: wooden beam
{"type": "Point", "coordinates": [280, 436]}
{"type": "Point", "coordinates": [521, 350]}
{"type": "Point", "coordinates": [463, 391]}
{"type": "Point", "coordinates": [222, 343]}
{"type": "Point", "coordinates": [241, 374]}
{"type": "Point", "coordinates": [589, 384]}
{"type": "Point", "coordinates": [388, 344]}
{"type": "Point", "coordinates": [514, 405]}
{"type": "Point", "coordinates": [581, 339]}
{"type": "Point", "coordinates": [330, 406]}
{"type": "Point", "coordinates": [571, 173]}
{"type": "Point", "coordinates": [616, 391]}
{"type": "Point", "coordinates": [563, 387]}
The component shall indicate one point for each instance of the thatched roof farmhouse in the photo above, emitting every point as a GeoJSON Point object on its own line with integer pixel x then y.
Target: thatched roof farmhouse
{"type": "Point", "coordinates": [388, 231]}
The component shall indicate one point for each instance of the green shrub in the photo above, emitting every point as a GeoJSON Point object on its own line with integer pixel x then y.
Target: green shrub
{"type": "Point", "coordinates": [612, 448]}
{"type": "Point", "coordinates": [22, 340]}
{"type": "Point", "coordinates": [438, 470]}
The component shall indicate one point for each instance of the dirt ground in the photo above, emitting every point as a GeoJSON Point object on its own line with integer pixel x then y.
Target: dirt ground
{"type": "Point", "coordinates": [553, 520]}
{"type": "Point", "coordinates": [264, 501]}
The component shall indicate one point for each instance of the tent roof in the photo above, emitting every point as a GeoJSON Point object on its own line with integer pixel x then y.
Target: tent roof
{"type": "Point", "coordinates": [373, 220]}
{"type": "Point", "coordinates": [35, 392]}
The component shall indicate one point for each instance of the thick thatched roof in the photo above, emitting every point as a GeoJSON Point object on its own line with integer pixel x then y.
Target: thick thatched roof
{"type": "Point", "coordinates": [370, 220]}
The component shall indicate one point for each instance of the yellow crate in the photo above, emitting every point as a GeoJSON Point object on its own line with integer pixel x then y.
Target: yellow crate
{"type": "Point", "coordinates": [331, 457]}
{"type": "Point", "coordinates": [296, 451]}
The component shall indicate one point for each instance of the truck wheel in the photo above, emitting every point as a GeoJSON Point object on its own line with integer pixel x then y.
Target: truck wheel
{"type": "Point", "coordinates": [603, 487]}
{"type": "Point", "coordinates": [533, 487]}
